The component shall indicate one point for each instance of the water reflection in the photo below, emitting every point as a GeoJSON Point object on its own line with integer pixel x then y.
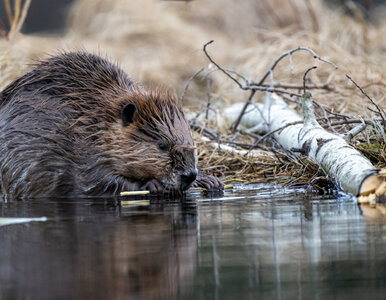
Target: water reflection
{"type": "Point", "coordinates": [262, 242]}
{"type": "Point", "coordinates": [280, 245]}
{"type": "Point", "coordinates": [98, 250]}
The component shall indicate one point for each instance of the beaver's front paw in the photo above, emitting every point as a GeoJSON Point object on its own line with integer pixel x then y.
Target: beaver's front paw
{"type": "Point", "coordinates": [153, 186]}
{"type": "Point", "coordinates": [208, 182]}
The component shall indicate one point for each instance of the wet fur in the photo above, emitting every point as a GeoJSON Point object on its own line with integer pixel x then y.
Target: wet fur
{"type": "Point", "coordinates": [61, 132]}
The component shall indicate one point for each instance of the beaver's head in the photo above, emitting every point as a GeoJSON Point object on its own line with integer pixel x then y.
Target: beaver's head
{"type": "Point", "coordinates": [152, 140]}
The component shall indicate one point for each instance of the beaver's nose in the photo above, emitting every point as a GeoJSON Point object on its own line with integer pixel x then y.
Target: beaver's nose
{"type": "Point", "coordinates": [187, 178]}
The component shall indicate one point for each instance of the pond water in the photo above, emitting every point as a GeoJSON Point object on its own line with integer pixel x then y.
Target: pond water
{"type": "Point", "coordinates": [255, 242]}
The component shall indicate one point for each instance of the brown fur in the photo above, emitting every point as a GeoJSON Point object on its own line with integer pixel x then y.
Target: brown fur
{"type": "Point", "coordinates": [62, 133]}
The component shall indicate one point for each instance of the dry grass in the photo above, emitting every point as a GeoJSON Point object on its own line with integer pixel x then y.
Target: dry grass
{"type": "Point", "coordinates": [160, 42]}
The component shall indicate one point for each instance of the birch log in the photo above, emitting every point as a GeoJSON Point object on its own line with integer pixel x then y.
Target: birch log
{"type": "Point", "coordinates": [350, 170]}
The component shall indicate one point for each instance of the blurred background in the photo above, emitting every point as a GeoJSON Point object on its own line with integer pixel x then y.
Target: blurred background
{"type": "Point", "coordinates": [160, 43]}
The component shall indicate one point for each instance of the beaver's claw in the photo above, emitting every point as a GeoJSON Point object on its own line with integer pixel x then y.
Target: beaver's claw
{"type": "Point", "coordinates": [154, 187]}
{"type": "Point", "coordinates": [208, 182]}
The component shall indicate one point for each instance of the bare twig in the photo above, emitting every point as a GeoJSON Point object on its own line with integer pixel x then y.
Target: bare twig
{"type": "Point", "coordinates": [218, 66]}
{"type": "Point", "coordinates": [238, 120]}
{"type": "Point", "coordinates": [210, 133]}
{"type": "Point", "coordinates": [207, 77]}
{"type": "Point", "coordinates": [325, 116]}
{"type": "Point", "coordinates": [322, 107]}
{"type": "Point", "coordinates": [187, 84]}
{"type": "Point", "coordinates": [309, 86]}
{"type": "Point", "coordinates": [355, 131]}
{"type": "Point", "coordinates": [289, 53]}
{"type": "Point", "coordinates": [271, 89]}
{"type": "Point", "coordinates": [354, 121]}
{"type": "Point", "coordinates": [236, 73]}
{"type": "Point", "coordinates": [379, 111]}
{"type": "Point", "coordinates": [257, 86]}
{"type": "Point", "coordinates": [304, 77]}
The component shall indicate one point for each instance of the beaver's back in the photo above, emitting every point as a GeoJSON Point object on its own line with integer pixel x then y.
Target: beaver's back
{"type": "Point", "coordinates": [47, 115]}
{"type": "Point", "coordinates": [75, 76]}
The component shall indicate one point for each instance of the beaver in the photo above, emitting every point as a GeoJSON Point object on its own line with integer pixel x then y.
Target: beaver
{"type": "Point", "coordinates": [78, 125]}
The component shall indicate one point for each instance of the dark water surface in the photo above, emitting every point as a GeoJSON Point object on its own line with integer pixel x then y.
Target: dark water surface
{"type": "Point", "coordinates": [263, 242]}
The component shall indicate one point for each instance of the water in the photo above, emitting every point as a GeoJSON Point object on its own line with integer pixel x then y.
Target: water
{"type": "Point", "coordinates": [260, 242]}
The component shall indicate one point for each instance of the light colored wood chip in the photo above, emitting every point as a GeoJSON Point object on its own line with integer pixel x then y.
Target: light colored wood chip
{"type": "Point", "coordinates": [134, 193]}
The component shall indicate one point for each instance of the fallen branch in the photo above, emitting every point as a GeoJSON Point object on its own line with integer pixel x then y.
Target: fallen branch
{"type": "Point", "coordinates": [338, 159]}
{"type": "Point", "coordinates": [344, 164]}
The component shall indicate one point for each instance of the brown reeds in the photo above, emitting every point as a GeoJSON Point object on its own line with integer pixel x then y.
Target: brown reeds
{"type": "Point", "coordinates": [15, 16]}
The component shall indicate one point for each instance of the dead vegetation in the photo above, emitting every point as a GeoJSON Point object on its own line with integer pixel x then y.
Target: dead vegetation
{"type": "Point", "coordinates": [160, 42]}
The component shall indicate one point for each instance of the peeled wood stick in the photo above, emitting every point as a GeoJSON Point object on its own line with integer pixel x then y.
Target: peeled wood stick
{"type": "Point", "coordinates": [134, 193]}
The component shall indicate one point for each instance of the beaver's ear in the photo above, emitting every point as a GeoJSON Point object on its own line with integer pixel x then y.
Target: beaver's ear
{"type": "Point", "coordinates": [128, 113]}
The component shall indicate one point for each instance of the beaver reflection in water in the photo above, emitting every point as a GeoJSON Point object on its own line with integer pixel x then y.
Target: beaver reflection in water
{"type": "Point", "coordinates": [78, 125]}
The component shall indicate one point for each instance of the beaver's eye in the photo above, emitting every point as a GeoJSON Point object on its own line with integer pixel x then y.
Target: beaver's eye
{"type": "Point", "coordinates": [162, 146]}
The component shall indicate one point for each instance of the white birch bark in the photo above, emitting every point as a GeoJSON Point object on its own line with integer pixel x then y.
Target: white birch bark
{"type": "Point", "coordinates": [345, 165]}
